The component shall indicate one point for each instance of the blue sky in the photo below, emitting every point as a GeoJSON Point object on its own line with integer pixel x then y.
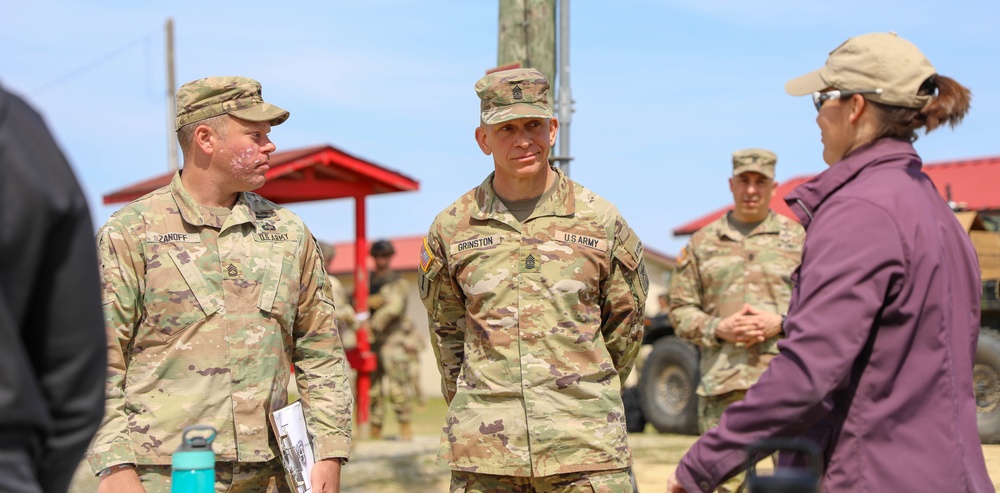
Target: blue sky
{"type": "Point", "coordinates": [664, 90]}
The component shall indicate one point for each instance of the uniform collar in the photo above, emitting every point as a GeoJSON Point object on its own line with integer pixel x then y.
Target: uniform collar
{"type": "Point", "coordinates": [562, 201]}
{"type": "Point", "coordinates": [197, 215]}
{"type": "Point", "coordinates": [770, 225]}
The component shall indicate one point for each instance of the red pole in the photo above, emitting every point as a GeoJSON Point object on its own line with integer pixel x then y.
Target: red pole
{"type": "Point", "coordinates": [364, 361]}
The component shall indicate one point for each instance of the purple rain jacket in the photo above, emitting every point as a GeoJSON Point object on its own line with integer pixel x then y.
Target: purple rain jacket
{"type": "Point", "coordinates": [881, 338]}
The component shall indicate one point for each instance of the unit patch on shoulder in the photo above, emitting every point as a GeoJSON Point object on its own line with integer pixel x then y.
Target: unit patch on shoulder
{"type": "Point", "coordinates": [485, 241]}
{"type": "Point", "coordinates": [426, 257]}
{"type": "Point", "coordinates": [579, 239]}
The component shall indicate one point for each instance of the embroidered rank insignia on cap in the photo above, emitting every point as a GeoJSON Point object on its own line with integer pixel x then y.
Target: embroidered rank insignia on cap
{"type": "Point", "coordinates": [517, 93]}
{"type": "Point", "coordinates": [426, 257]}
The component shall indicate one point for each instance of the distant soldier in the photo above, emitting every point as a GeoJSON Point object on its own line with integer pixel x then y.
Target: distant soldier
{"type": "Point", "coordinates": [535, 288]}
{"type": "Point", "coordinates": [391, 381]}
{"type": "Point", "coordinates": [732, 287]}
{"type": "Point", "coordinates": [345, 310]}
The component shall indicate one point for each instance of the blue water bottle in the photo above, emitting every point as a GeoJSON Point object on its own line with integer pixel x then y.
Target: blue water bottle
{"type": "Point", "coordinates": [193, 463]}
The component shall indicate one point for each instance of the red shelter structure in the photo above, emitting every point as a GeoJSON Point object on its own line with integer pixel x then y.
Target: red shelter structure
{"type": "Point", "coordinates": [319, 173]}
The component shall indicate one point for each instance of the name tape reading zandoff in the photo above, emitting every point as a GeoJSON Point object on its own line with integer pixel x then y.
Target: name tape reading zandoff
{"type": "Point", "coordinates": [173, 238]}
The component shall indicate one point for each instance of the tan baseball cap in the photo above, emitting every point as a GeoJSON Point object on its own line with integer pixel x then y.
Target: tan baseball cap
{"type": "Point", "coordinates": [757, 160]}
{"type": "Point", "coordinates": [213, 96]}
{"type": "Point", "coordinates": [872, 61]}
{"type": "Point", "coordinates": [515, 93]}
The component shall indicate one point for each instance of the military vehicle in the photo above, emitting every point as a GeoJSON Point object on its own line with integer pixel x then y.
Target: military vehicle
{"type": "Point", "coordinates": [986, 372]}
{"type": "Point", "coordinates": [665, 394]}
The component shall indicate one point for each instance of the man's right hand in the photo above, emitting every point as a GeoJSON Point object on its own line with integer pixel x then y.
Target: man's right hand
{"type": "Point", "coordinates": [737, 330]}
{"type": "Point", "coordinates": [124, 480]}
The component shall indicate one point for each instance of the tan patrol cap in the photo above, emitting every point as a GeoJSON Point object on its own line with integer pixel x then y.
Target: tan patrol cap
{"type": "Point", "coordinates": [511, 94]}
{"type": "Point", "coordinates": [213, 96]}
{"type": "Point", "coordinates": [757, 160]}
{"type": "Point", "coordinates": [872, 61]}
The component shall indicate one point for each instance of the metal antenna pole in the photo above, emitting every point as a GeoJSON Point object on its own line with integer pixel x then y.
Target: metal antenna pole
{"type": "Point", "coordinates": [565, 96]}
{"type": "Point", "coordinates": [171, 90]}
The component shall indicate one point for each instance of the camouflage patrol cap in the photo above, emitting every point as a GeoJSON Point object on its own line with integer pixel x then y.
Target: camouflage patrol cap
{"type": "Point", "coordinates": [872, 61]}
{"type": "Point", "coordinates": [757, 160]}
{"type": "Point", "coordinates": [515, 93]}
{"type": "Point", "coordinates": [213, 96]}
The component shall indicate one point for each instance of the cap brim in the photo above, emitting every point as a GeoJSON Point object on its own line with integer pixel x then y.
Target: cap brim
{"type": "Point", "coordinates": [515, 111]}
{"type": "Point", "coordinates": [806, 84]}
{"type": "Point", "coordinates": [264, 112]}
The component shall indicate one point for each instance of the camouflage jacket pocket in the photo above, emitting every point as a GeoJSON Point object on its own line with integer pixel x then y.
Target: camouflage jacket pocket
{"type": "Point", "coordinates": [177, 299]}
{"type": "Point", "coordinates": [279, 286]}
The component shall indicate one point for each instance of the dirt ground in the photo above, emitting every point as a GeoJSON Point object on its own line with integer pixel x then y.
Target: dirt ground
{"type": "Point", "coordinates": [655, 457]}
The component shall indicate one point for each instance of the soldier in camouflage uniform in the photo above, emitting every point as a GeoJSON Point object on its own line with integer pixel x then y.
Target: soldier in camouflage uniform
{"type": "Point", "coordinates": [346, 321]}
{"type": "Point", "coordinates": [732, 287]}
{"type": "Point", "coordinates": [211, 293]}
{"type": "Point", "coordinates": [534, 287]}
{"type": "Point", "coordinates": [391, 380]}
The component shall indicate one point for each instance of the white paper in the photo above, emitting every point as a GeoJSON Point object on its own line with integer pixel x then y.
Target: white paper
{"type": "Point", "coordinates": [293, 438]}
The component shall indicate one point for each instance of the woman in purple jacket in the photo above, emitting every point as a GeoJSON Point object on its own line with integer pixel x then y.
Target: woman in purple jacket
{"type": "Point", "coordinates": [884, 316]}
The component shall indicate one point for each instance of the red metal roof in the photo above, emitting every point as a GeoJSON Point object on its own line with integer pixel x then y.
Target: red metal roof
{"type": "Point", "coordinates": [974, 185]}
{"type": "Point", "coordinates": [407, 257]}
{"type": "Point", "coordinates": [314, 173]}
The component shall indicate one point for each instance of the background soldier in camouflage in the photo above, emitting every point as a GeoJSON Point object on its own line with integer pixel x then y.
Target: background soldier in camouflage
{"type": "Point", "coordinates": [391, 381]}
{"type": "Point", "coordinates": [732, 288]}
{"type": "Point", "coordinates": [534, 288]}
{"type": "Point", "coordinates": [347, 323]}
{"type": "Point", "coordinates": [211, 294]}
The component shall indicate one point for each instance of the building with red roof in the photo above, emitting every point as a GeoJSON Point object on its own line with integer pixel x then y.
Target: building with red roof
{"type": "Point", "coordinates": [970, 184]}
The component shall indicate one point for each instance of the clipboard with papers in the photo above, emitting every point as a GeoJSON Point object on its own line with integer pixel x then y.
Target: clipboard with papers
{"type": "Point", "coordinates": [289, 426]}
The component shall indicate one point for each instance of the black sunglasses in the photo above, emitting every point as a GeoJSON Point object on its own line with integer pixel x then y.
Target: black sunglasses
{"type": "Point", "coordinates": [819, 97]}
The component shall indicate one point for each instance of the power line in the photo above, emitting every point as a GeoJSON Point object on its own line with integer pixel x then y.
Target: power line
{"type": "Point", "coordinates": [144, 39]}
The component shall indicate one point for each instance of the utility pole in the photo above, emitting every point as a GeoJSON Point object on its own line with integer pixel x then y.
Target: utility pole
{"type": "Point", "coordinates": [527, 38]}
{"type": "Point", "coordinates": [172, 159]}
{"type": "Point", "coordinates": [565, 101]}
{"type": "Point", "coordinates": [527, 35]}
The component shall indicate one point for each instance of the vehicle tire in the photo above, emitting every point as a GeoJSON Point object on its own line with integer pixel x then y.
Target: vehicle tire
{"type": "Point", "coordinates": [986, 377]}
{"type": "Point", "coordinates": [667, 386]}
{"type": "Point", "coordinates": [634, 420]}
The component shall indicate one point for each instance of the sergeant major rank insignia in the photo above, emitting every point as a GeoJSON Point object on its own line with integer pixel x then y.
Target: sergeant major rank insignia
{"type": "Point", "coordinates": [530, 261]}
{"type": "Point", "coordinates": [516, 93]}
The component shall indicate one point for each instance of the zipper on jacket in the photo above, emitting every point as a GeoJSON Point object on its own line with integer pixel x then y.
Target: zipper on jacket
{"type": "Point", "coordinates": [804, 208]}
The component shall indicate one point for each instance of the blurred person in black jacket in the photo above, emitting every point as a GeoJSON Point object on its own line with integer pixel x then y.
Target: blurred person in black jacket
{"type": "Point", "coordinates": [52, 342]}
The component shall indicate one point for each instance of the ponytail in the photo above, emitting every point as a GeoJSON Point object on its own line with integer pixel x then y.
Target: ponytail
{"type": "Point", "coordinates": [948, 106]}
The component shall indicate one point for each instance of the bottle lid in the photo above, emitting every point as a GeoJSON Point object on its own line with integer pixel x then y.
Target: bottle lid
{"type": "Point", "coordinates": [195, 451]}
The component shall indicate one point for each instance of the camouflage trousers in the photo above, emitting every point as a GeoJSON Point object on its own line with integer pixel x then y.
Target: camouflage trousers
{"type": "Point", "coordinates": [230, 477]}
{"type": "Point", "coordinates": [613, 481]}
{"type": "Point", "coordinates": [392, 385]}
{"type": "Point", "coordinates": [710, 411]}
